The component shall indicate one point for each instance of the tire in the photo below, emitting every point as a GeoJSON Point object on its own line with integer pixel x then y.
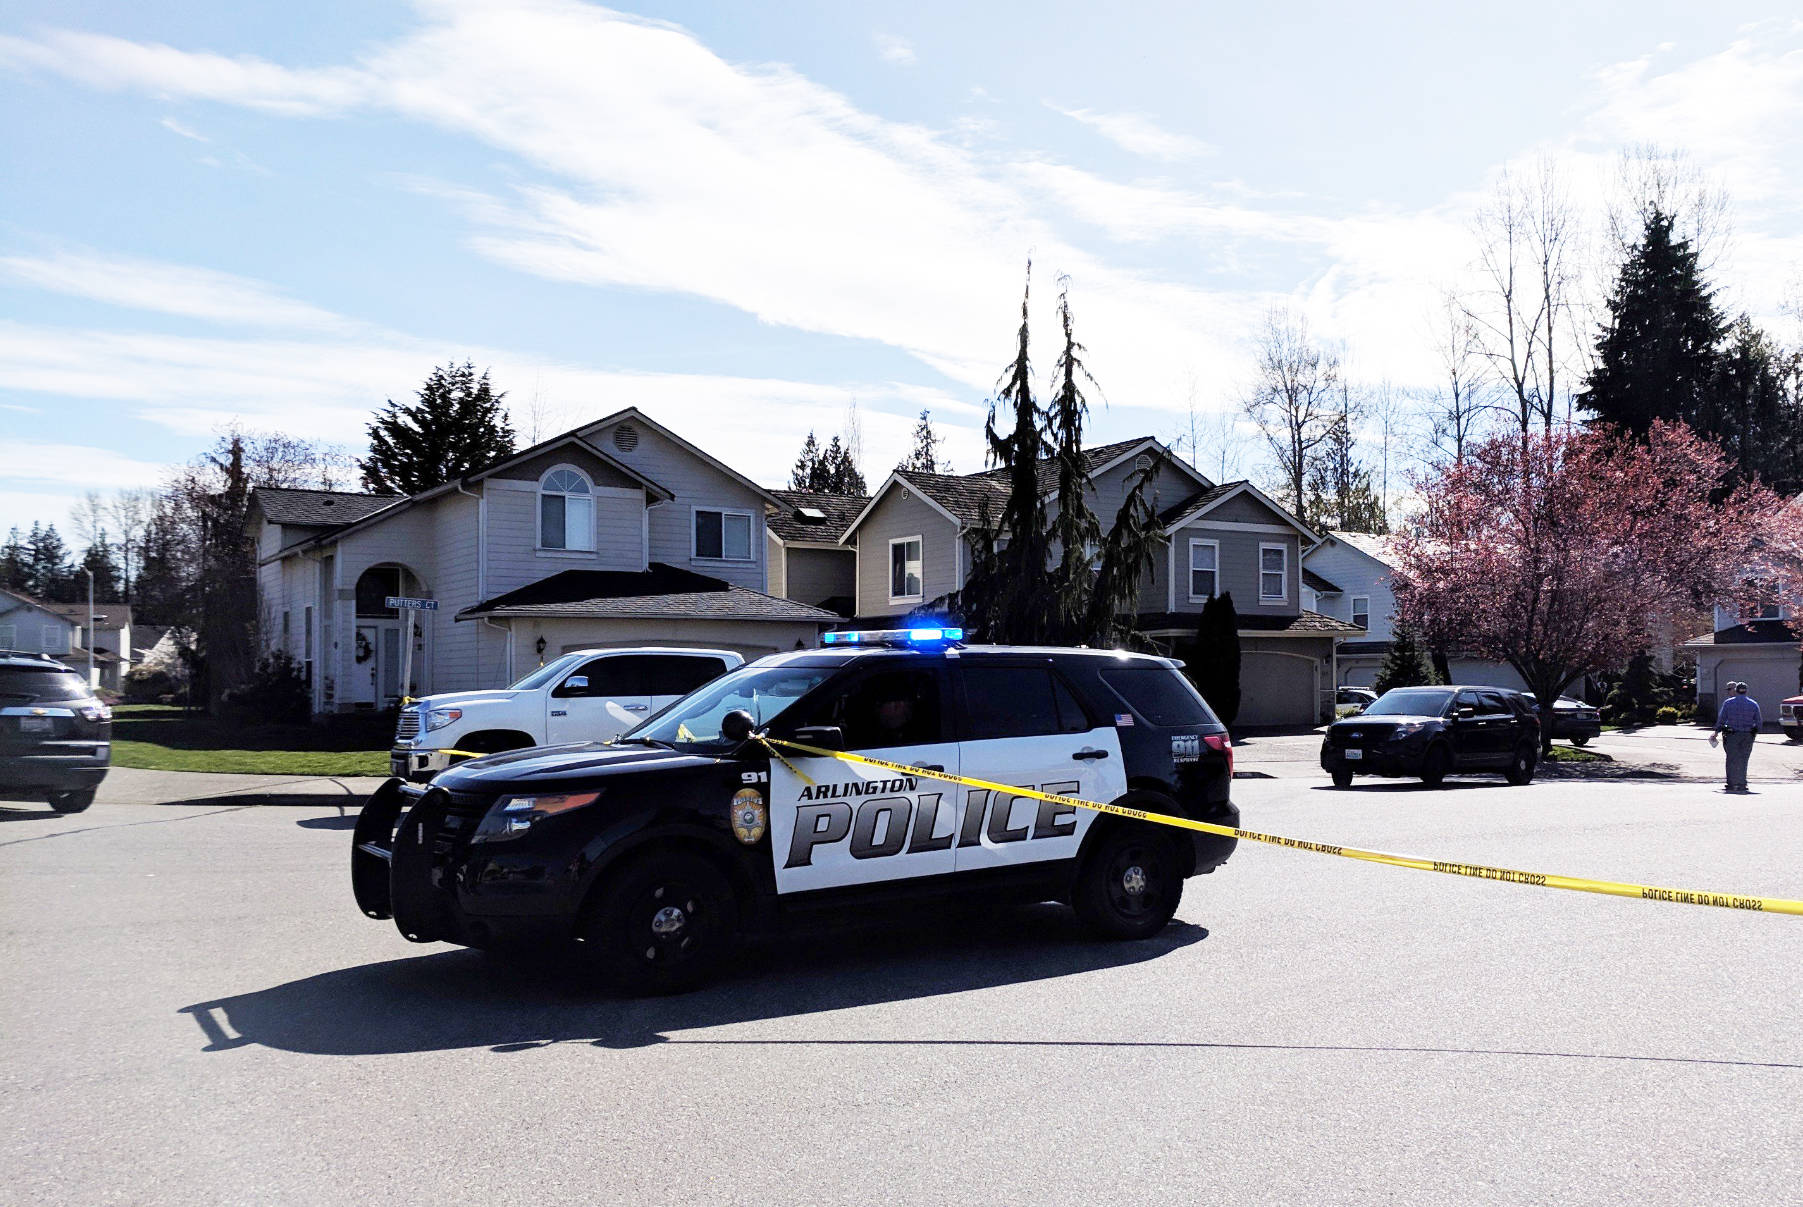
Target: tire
{"type": "Point", "coordinates": [667, 924]}
{"type": "Point", "coordinates": [1130, 884]}
{"type": "Point", "coordinates": [72, 802]}
{"type": "Point", "coordinates": [1435, 766]}
{"type": "Point", "coordinates": [1342, 779]}
{"type": "Point", "coordinates": [1793, 738]}
{"type": "Point", "coordinates": [1521, 766]}
{"type": "Point", "coordinates": [1582, 741]}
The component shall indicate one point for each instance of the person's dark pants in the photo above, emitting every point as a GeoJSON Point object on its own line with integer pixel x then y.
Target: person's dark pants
{"type": "Point", "coordinates": [1739, 745]}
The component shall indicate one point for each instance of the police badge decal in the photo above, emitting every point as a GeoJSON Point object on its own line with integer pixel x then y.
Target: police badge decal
{"type": "Point", "coordinates": [750, 818]}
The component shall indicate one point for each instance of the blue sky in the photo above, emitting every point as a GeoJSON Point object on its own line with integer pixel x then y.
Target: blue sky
{"type": "Point", "coordinates": [743, 220]}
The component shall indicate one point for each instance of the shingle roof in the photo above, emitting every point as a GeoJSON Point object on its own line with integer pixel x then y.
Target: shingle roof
{"type": "Point", "coordinates": [106, 615]}
{"type": "Point", "coordinates": [662, 592]}
{"type": "Point", "coordinates": [839, 511]}
{"type": "Point", "coordinates": [1093, 459]}
{"type": "Point", "coordinates": [962, 496]}
{"type": "Point", "coordinates": [1376, 547]}
{"type": "Point", "coordinates": [1315, 582]}
{"type": "Point", "coordinates": [282, 505]}
{"type": "Point", "coordinates": [1201, 498]}
{"type": "Point", "coordinates": [1308, 624]}
{"type": "Point", "coordinates": [1754, 632]}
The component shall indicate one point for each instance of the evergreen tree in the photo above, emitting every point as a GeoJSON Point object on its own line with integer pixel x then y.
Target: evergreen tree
{"type": "Point", "coordinates": [1406, 665]}
{"type": "Point", "coordinates": [837, 472]}
{"type": "Point", "coordinates": [46, 563]}
{"type": "Point", "coordinates": [1638, 696]}
{"type": "Point", "coordinates": [807, 465]}
{"type": "Point", "coordinates": [1074, 529]}
{"type": "Point", "coordinates": [1215, 666]}
{"type": "Point", "coordinates": [457, 425]}
{"type": "Point", "coordinates": [1753, 409]}
{"type": "Point", "coordinates": [924, 457]}
{"type": "Point", "coordinates": [1340, 491]}
{"type": "Point", "coordinates": [160, 593]}
{"type": "Point", "coordinates": [1656, 355]}
{"type": "Point", "coordinates": [102, 561]}
{"type": "Point", "coordinates": [13, 561]}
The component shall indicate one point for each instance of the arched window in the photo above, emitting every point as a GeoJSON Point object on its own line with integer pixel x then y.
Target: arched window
{"type": "Point", "coordinates": [566, 511]}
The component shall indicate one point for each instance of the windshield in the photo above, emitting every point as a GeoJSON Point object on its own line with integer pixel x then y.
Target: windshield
{"type": "Point", "coordinates": [30, 683]}
{"type": "Point", "coordinates": [548, 672]}
{"type": "Point", "coordinates": [764, 692]}
{"type": "Point", "coordinates": [1410, 702]}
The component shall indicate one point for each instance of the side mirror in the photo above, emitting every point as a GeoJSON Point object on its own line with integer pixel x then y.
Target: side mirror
{"type": "Point", "coordinates": [1467, 712]}
{"type": "Point", "coordinates": [737, 725]}
{"type": "Point", "coordinates": [829, 737]}
{"type": "Point", "coordinates": [575, 684]}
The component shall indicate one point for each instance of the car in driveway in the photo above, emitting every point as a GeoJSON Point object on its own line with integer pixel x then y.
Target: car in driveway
{"type": "Point", "coordinates": [55, 735]}
{"type": "Point", "coordinates": [584, 696]}
{"type": "Point", "coordinates": [1433, 732]}
{"type": "Point", "coordinates": [1790, 718]}
{"type": "Point", "coordinates": [1573, 720]}
{"type": "Point", "coordinates": [1360, 698]}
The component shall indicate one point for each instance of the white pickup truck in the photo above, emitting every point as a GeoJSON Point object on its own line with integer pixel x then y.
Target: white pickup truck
{"type": "Point", "coordinates": [584, 696]}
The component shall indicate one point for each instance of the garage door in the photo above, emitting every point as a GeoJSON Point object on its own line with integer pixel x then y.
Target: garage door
{"type": "Point", "coordinates": [1768, 680]}
{"type": "Point", "coordinates": [1277, 689]}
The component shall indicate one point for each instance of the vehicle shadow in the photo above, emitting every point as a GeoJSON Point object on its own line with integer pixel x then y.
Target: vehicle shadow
{"type": "Point", "coordinates": [27, 813]}
{"type": "Point", "coordinates": [1408, 785]}
{"type": "Point", "coordinates": [466, 999]}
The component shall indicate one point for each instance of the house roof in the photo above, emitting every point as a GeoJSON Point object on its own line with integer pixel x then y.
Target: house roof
{"type": "Point", "coordinates": [29, 600]}
{"type": "Point", "coordinates": [962, 496]}
{"type": "Point", "coordinates": [1205, 501]}
{"type": "Point", "coordinates": [1315, 582]}
{"type": "Point", "coordinates": [662, 592]}
{"type": "Point", "coordinates": [1197, 501]}
{"type": "Point", "coordinates": [107, 615]}
{"type": "Point", "coordinates": [1308, 624]}
{"type": "Point", "coordinates": [282, 505]}
{"type": "Point", "coordinates": [1094, 459]}
{"type": "Point", "coordinates": [1754, 632]}
{"type": "Point", "coordinates": [1377, 548]}
{"type": "Point", "coordinates": [633, 413]}
{"type": "Point", "coordinates": [789, 523]}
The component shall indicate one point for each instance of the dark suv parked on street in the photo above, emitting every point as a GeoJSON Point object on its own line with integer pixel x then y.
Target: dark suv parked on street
{"type": "Point", "coordinates": [1434, 732]}
{"type": "Point", "coordinates": [55, 736]}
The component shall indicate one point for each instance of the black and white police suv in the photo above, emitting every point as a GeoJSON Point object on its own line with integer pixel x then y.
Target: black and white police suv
{"type": "Point", "coordinates": [657, 853]}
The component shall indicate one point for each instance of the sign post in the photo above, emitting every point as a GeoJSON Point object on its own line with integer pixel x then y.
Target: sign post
{"type": "Point", "coordinates": [408, 605]}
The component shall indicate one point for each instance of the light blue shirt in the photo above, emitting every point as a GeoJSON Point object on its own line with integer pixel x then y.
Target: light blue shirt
{"type": "Point", "coordinates": [1738, 712]}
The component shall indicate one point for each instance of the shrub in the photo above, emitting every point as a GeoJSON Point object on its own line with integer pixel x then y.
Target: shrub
{"type": "Point", "coordinates": [146, 684]}
{"type": "Point", "coordinates": [1666, 716]}
{"type": "Point", "coordinates": [276, 693]}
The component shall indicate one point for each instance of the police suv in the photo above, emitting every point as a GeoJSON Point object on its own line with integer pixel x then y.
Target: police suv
{"type": "Point", "coordinates": [658, 852]}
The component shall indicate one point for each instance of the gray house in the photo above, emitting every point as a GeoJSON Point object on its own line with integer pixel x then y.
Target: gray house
{"type": "Point", "coordinates": [619, 532]}
{"type": "Point", "coordinates": [913, 544]}
{"type": "Point", "coordinates": [807, 561]}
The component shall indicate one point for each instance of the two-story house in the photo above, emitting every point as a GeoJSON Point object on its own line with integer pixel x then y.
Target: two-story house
{"type": "Point", "coordinates": [1347, 576]}
{"type": "Point", "coordinates": [807, 561]}
{"type": "Point", "coordinates": [913, 543]}
{"type": "Point", "coordinates": [110, 639]}
{"type": "Point", "coordinates": [1755, 646]}
{"type": "Point", "coordinates": [35, 627]}
{"type": "Point", "coordinates": [619, 532]}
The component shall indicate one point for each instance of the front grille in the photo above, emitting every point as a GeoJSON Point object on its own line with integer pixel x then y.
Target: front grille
{"type": "Point", "coordinates": [408, 726]}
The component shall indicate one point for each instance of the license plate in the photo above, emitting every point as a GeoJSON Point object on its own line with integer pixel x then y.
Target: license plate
{"type": "Point", "coordinates": [36, 725]}
{"type": "Point", "coordinates": [1355, 754]}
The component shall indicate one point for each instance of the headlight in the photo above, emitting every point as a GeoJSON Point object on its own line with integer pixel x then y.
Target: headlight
{"type": "Point", "coordinates": [94, 710]}
{"type": "Point", "coordinates": [514, 815]}
{"type": "Point", "coordinates": [1408, 729]}
{"type": "Point", "coordinates": [438, 718]}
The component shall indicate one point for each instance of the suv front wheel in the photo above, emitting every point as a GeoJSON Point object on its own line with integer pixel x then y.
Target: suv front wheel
{"type": "Point", "coordinates": [667, 924]}
{"type": "Point", "coordinates": [72, 802]}
{"type": "Point", "coordinates": [1130, 884]}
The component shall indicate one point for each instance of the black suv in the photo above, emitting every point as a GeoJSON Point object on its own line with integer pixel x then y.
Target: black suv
{"type": "Point", "coordinates": [55, 737]}
{"type": "Point", "coordinates": [1433, 732]}
{"type": "Point", "coordinates": [660, 851]}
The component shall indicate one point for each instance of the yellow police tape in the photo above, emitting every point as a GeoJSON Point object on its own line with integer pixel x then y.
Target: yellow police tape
{"type": "Point", "coordinates": [1576, 884]}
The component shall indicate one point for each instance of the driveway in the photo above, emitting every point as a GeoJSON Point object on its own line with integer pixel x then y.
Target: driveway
{"type": "Point", "coordinates": [130, 786]}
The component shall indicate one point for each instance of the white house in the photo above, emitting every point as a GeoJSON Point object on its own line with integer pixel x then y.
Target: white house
{"type": "Point", "coordinates": [35, 627]}
{"type": "Point", "coordinates": [1753, 646]}
{"type": "Point", "coordinates": [619, 532]}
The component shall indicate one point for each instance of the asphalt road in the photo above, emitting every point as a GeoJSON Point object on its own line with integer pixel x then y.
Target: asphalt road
{"type": "Point", "coordinates": [193, 1012]}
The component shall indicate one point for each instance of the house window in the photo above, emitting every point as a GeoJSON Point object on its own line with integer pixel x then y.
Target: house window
{"type": "Point", "coordinates": [287, 644]}
{"type": "Point", "coordinates": [1273, 572]}
{"type": "Point", "coordinates": [904, 569]}
{"type": "Point", "coordinates": [1361, 611]}
{"type": "Point", "coordinates": [1769, 611]}
{"type": "Point", "coordinates": [1204, 570]}
{"type": "Point", "coordinates": [566, 511]}
{"type": "Point", "coordinates": [723, 535]}
{"type": "Point", "coordinates": [56, 639]}
{"type": "Point", "coordinates": [306, 641]}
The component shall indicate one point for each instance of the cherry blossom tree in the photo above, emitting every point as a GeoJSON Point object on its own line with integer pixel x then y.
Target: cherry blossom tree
{"type": "Point", "coordinates": [1564, 553]}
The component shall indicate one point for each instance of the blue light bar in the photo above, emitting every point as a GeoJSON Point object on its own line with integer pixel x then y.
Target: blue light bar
{"type": "Point", "coordinates": [942, 635]}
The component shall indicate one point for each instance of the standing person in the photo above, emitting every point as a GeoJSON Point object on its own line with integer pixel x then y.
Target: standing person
{"type": "Point", "coordinates": [1739, 718]}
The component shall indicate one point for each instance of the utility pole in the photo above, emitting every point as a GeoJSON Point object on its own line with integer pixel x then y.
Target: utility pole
{"type": "Point", "coordinates": [90, 633]}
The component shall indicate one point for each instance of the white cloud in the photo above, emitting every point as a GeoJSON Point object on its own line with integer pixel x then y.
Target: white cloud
{"type": "Point", "coordinates": [166, 288]}
{"type": "Point", "coordinates": [175, 127]}
{"type": "Point", "coordinates": [76, 465]}
{"type": "Point", "coordinates": [892, 48]}
{"type": "Point", "coordinates": [1139, 134]}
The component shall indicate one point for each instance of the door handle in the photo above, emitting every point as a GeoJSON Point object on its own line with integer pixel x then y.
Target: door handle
{"type": "Point", "coordinates": [1086, 755]}
{"type": "Point", "coordinates": [634, 707]}
{"type": "Point", "coordinates": [929, 766]}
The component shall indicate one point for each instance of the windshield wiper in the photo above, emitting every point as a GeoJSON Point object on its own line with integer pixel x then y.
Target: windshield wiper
{"type": "Point", "coordinates": [659, 742]}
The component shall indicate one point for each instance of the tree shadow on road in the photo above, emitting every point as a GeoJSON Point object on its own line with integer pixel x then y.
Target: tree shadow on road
{"type": "Point", "coordinates": [466, 999]}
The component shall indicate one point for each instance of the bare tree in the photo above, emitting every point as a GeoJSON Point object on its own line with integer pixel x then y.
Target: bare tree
{"type": "Point", "coordinates": [1648, 179]}
{"type": "Point", "coordinates": [1387, 411]}
{"type": "Point", "coordinates": [1525, 314]}
{"type": "Point", "coordinates": [1294, 401]}
{"type": "Point", "coordinates": [1455, 411]}
{"type": "Point", "coordinates": [130, 512]}
{"type": "Point", "coordinates": [88, 518]}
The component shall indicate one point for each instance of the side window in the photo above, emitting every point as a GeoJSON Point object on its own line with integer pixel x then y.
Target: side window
{"type": "Point", "coordinates": [886, 708]}
{"type": "Point", "coordinates": [607, 677]}
{"type": "Point", "coordinates": [1071, 716]}
{"type": "Point", "coordinates": [1159, 695]}
{"type": "Point", "coordinates": [677, 675]}
{"type": "Point", "coordinates": [1018, 702]}
{"type": "Point", "coordinates": [1495, 704]}
{"type": "Point", "coordinates": [1468, 700]}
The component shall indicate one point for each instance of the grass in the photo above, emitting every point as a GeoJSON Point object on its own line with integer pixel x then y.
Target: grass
{"type": "Point", "coordinates": [1572, 754]}
{"type": "Point", "coordinates": [158, 738]}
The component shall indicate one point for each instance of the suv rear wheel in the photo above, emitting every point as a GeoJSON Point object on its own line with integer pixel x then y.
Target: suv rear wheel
{"type": "Point", "coordinates": [1521, 766]}
{"type": "Point", "coordinates": [666, 924]}
{"type": "Point", "coordinates": [1130, 885]}
{"type": "Point", "coordinates": [1435, 766]}
{"type": "Point", "coordinates": [72, 802]}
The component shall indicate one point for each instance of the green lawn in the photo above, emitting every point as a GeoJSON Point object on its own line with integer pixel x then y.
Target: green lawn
{"type": "Point", "coordinates": [157, 738]}
{"type": "Point", "coordinates": [1572, 754]}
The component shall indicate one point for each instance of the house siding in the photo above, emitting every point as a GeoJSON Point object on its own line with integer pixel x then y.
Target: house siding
{"type": "Point", "coordinates": [813, 576]}
{"type": "Point", "coordinates": [902, 513]}
{"type": "Point", "coordinates": [1238, 571]}
{"type": "Point", "coordinates": [1355, 574]}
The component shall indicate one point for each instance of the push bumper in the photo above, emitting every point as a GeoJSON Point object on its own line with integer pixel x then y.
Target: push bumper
{"type": "Point", "coordinates": [57, 767]}
{"type": "Point", "coordinates": [406, 763]}
{"type": "Point", "coordinates": [1372, 761]}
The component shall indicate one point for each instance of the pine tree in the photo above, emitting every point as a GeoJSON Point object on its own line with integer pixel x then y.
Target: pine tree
{"type": "Point", "coordinates": [1406, 665]}
{"type": "Point", "coordinates": [1215, 665]}
{"type": "Point", "coordinates": [837, 472]}
{"type": "Point", "coordinates": [924, 457]}
{"type": "Point", "coordinates": [46, 563]}
{"type": "Point", "coordinates": [807, 465]}
{"type": "Point", "coordinates": [1656, 355]}
{"type": "Point", "coordinates": [1074, 529]}
{"type": "Point", "coordinates": [1753, 409]}
{"type": "Point", "coordinates": [13, 561]}
{"type": "Point", "coordinates": [457, 425]}
{"type": "Point", "coordinates": [1340, 491]}
{"type": "Point", "coordinates": [102, 561]}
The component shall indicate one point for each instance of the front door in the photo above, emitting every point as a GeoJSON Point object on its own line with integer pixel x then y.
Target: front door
{"type": "Point", "coordinates": [598, 701]}
{"type": "Point", "coordinates": [834, 823]}
{"type": "Point", "coordinates": [1025, 727]}
{"type": "Point", "coordinates": [376, 665]}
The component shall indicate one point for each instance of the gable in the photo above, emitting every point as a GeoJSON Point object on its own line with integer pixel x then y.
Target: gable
{"type": "Point", "coordinates": [599, 472]}
{"type": "Point", "coordinates": [1244, 508]}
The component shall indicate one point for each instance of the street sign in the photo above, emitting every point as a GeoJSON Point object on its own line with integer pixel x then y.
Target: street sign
{"type": "Point", "coordinates": [403, 601]}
